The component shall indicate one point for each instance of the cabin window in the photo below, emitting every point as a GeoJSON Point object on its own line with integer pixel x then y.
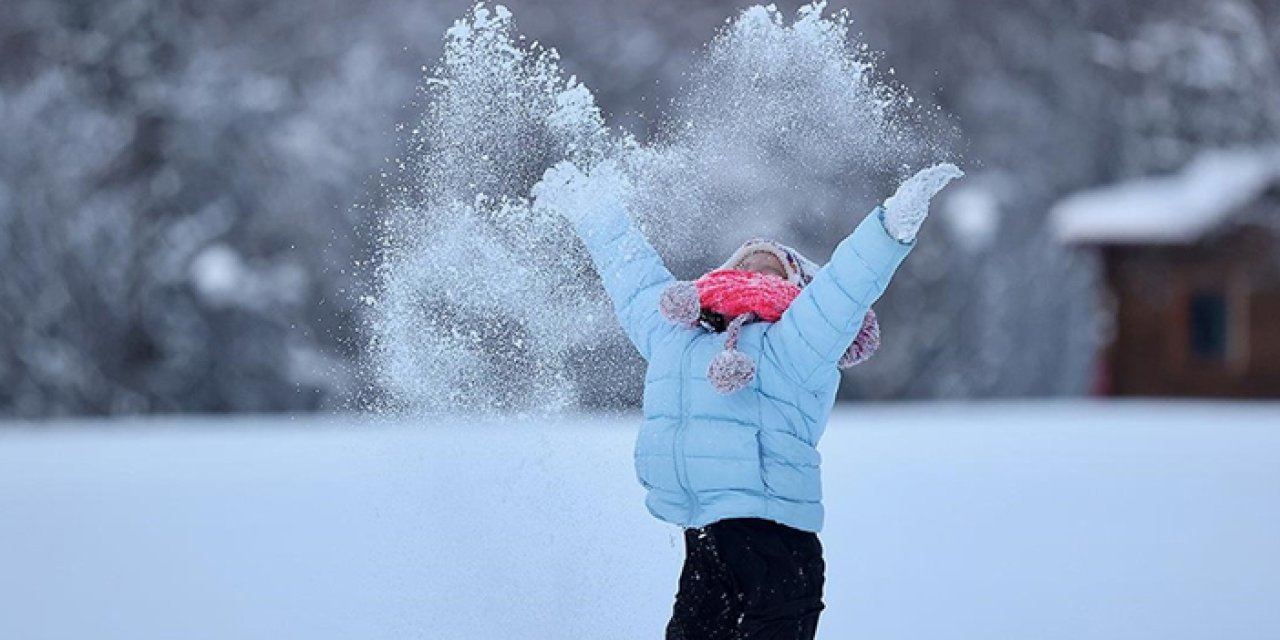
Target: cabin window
{"type": "Point", "coordinates": [1209, 325]}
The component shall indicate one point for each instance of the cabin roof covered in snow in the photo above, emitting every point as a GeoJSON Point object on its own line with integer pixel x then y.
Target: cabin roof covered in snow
{"type": "Point", "coordinates": [1174, 209]}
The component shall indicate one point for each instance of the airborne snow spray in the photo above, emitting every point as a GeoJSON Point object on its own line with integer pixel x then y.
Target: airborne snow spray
{"type": "Point", "coordinates": [485, 305]}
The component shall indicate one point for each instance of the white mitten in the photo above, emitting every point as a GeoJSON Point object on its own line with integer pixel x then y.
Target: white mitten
{"type": "Point", "coordinates": [569, 192]}
{"type": "Point", "coordinates": [907, 208]}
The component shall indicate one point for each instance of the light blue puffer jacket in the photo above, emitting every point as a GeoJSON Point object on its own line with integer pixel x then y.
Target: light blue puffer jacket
{"type": "Point", "coordinates": [704, 456]}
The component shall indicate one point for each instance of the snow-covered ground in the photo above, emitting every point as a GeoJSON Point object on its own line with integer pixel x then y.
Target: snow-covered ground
{"type": "Point", "coordinates": [1036, 521]}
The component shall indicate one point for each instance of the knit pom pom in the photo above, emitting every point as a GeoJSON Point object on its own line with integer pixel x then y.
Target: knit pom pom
{"type": "Point", "coordinates": [730, 371]}
{"type": "Point", "coordinates": [864, 345]}
{"type": "Point", "coordinates": [679, 303]}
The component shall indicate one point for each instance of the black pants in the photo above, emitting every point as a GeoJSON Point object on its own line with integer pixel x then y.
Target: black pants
{"type": "Point", "coordinates": [748, 579]}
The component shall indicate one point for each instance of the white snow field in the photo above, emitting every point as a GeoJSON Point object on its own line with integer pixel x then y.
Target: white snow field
{"type": "Point", "coordinates": [1036, 521]}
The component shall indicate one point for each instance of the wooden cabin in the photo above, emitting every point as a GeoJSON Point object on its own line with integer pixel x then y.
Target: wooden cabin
{"type": "Point", "coordinates": [1191, 277]}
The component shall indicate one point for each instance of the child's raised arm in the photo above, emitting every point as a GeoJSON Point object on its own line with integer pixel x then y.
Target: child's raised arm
{"type": "Point", "coordinates": [633, 273]}
{"type": "Point", "coordinates": [824, 320]}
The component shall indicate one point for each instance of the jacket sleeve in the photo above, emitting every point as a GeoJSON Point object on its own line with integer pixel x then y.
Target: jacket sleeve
{"type": "Point", "coordinates": [825, 318]}
{"type": "Point", "coordinates": [632, 272]}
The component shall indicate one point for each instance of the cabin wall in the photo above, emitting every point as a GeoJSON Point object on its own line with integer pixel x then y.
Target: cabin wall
{"type": "Point", "coordinates": [1200, 320]}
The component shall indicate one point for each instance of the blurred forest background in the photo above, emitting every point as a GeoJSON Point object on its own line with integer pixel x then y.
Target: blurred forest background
{"type": "Point", "coordinates": [187, 188]}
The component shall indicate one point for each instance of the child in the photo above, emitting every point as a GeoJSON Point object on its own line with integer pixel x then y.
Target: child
{"type": "Point", "coordinates": [727, 449]}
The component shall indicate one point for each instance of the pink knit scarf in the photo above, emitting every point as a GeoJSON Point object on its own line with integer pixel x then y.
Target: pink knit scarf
{"type": "Point", "coordinates": [733, 293]}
